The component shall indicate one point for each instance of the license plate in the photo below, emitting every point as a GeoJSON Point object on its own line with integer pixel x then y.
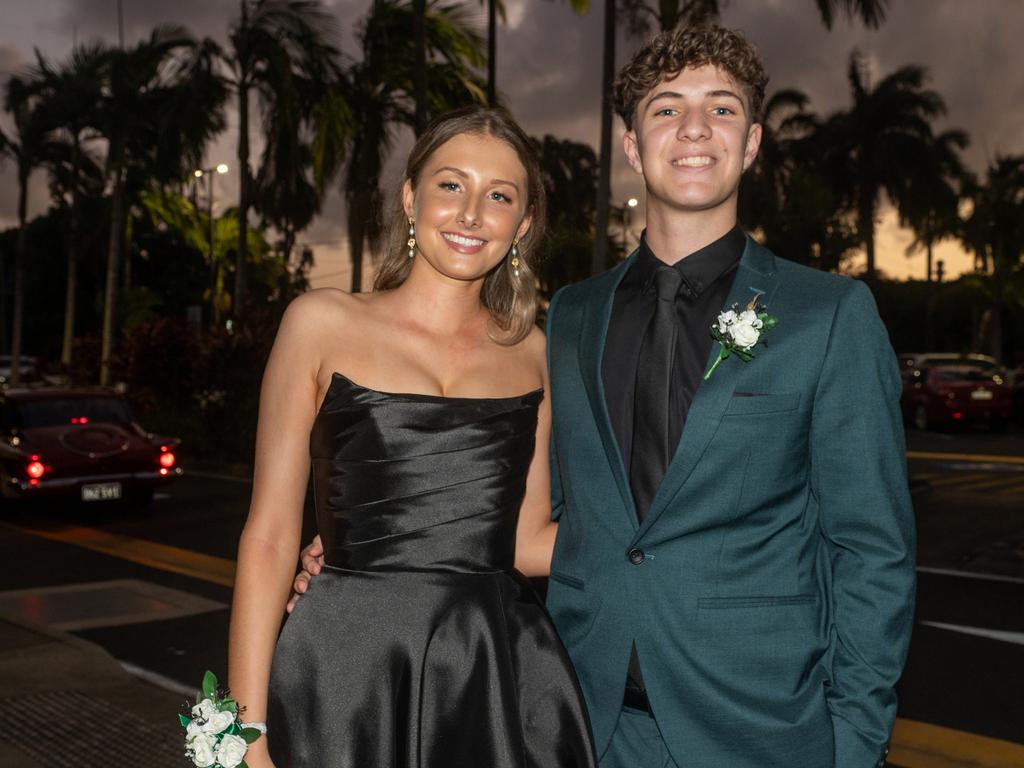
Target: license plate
{"type": "Point", "coordinates": [101, 492]}
{"type": "Point", "coordinates": [981, 394]}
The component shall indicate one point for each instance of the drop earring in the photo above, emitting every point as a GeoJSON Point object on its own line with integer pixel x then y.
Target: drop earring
{"type": "Point", "coordinates": [411, 242]}
{"type": "Point", "coordinates": [515, 257]}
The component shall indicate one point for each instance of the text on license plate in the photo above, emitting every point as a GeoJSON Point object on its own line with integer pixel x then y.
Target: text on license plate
{"type": "Point", "coordinates": [101, 492]}
{"type": "Point", "coordinates": [981, 394]}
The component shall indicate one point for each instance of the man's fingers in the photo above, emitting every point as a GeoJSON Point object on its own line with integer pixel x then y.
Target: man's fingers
{"type": "Point", "coordinates": [312, 562]}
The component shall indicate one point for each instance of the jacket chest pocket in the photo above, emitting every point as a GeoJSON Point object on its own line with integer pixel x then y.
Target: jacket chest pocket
{"type": "Point", "coordinates": [753, 403]}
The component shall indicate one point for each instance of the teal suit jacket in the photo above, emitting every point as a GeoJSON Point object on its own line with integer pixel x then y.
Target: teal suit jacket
{"type": "Point", "coordinates": [773, 607]}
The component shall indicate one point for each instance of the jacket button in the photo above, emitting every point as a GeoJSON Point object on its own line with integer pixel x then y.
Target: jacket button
{"type": "Point", "coordinates": [635, 555]}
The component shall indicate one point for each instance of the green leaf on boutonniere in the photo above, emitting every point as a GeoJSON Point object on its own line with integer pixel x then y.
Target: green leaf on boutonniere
{"type": "Point", "coordinates": [243, 765]}
{"type": "Point", "coordinates": [228, 705]}
{"type": "Point", "coordinates": [209, 685]}
{"type": "Point", "coordinates": [184, 720]}
{"type": "Point", "coordinates": [250, 734]}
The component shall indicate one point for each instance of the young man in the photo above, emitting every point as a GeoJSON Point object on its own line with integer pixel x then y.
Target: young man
{"type": "Point", "coordinates": [733, 575]}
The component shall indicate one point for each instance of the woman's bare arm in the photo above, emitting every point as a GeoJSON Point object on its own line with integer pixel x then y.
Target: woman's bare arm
{"type": "Point", "coordinates": [269, 544]}
{"type": "Point", "coordinates": [535, 533]}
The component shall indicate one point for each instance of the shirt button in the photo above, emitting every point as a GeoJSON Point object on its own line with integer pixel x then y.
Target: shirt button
{"type": "Point", "coordinates": [635, 555]}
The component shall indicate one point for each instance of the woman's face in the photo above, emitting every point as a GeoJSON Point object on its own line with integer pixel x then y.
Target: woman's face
{"type": "Point", "coordinates": [469, 204]}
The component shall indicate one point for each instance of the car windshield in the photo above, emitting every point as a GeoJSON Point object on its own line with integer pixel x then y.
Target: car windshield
{"type": "Point", "coordinates": [950, 375]}
{"type": "Point", "coordinates": [52, 412]}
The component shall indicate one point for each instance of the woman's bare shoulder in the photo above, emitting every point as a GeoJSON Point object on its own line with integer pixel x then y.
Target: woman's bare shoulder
{"type": "Point", "coordinates": [321, 310]}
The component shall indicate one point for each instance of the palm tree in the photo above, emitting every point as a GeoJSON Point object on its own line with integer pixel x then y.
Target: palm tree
{"type": "Point", "coordinates": [570, 171]}
{"type": "Point", "coordinates": [933, 200]}
{"type": "Point", "coordinates": [28, 145]}
{"type": "Point", "coordinates": [995, 231]}
{"type": "Point", "coordinates": [70, 94]}
{"type": "Point", "coordinates": [786, 123]}
{"type": "Point", "coordinates": [162, 102]}
{"type": "Point", "coordinates": [880, 143]}
{"type": "Point", "coordinates": [275, 46]}
{"type": "Point", "coordinates": [669, 14]}
{"type": "Point", "coordinates": [380, 92]}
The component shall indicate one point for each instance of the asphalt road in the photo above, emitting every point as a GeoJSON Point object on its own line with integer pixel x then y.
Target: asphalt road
{"type": "Point", "coordinates": [966, 666]}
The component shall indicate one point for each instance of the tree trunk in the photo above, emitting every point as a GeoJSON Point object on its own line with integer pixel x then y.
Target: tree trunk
{"type": "Point", "coordinates": [928, 247]}
{"type": "Point", "coordinates": [113, 264]}
{"type": "Point", "coordinates": [19, 278]}
{"type": "Point", "coordinates": [356, 240]}
{"type": "Point", "coordinates": [492, 53]}
{"type": "Point", "coordinates": [419, 73]}
{"type": "Point", "coordinates": [244, 180]}
{"type": "Point", "coordinates": [599, 257]}
{"type": "Point", "coordinates": [71, 287]}
{"type": "Point", "coordinates": [866, 224]}
{"type": "Point", "coordinates": [996, 316]}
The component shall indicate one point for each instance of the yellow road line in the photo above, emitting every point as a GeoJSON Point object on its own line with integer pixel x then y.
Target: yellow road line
{"type": "Point", "coordinates": [922, 745]}
{"type": "Point", "coordinates": [957, 479]}
{"type": "Point", "coordinates": [994, 483]}
{"type": "Point", "coordinates": [217, 570]}
{"type": "Point", "coordinates": [973, 458]}
{"type": "Point", "coordinates": [914, 744]}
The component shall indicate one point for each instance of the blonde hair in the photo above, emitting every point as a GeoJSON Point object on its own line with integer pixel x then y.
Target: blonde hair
{"type": "Point", "coordinates": [511, 300]}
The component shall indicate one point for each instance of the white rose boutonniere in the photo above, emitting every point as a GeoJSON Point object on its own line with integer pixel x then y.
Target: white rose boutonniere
{"type": "Point", "coordinates": [214, 736]}
{"type": "Point", "coordinates": [738, 332]}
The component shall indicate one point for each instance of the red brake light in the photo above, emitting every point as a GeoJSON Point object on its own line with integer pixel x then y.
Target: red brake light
{"type": "Point", "coordinates": [35, 469]}
{"type": "Point", "coordinates": [79, 419]}
{"type": "Point", "coordinates": [167, 460]}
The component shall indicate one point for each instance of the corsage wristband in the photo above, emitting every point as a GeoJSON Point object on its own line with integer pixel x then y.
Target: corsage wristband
{"type": "Point", "coordinates": [214, 736]}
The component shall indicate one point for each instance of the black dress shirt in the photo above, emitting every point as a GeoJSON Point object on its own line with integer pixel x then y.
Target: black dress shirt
{"type": "Point", "coordinates": [707, 279]}
{"type": "Point", "coordinates": [707, 275]}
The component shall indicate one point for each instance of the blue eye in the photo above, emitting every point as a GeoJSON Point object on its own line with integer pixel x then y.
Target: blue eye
{"type": "Point", "coordinates": [723, 111]}
{"type": "Point", "coordinates": [450, 186]}
{"type": "Point", "coordinates": [500, 198]}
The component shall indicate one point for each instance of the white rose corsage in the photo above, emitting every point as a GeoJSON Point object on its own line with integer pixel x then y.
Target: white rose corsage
{"type": "Point", "coordinates": [214, 736]}
{"type": "Point", "coordinates": [738, 331]}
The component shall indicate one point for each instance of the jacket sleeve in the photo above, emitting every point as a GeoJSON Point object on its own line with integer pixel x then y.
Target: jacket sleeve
{"type": "Point", "coordinates": [858, 475]}
{"type": "Point", "coordinates": [557, 496]}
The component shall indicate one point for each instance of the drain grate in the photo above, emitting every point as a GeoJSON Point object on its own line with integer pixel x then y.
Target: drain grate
{"type": "Point", "coordinates": [70, 729]}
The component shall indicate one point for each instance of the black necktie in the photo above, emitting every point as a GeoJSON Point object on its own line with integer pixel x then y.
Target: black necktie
{"type": "Point", "coordinates": [651, 451]}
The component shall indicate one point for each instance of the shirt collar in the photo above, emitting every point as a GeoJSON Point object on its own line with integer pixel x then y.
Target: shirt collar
{"type": "Point", "coordinates": [700, 269]}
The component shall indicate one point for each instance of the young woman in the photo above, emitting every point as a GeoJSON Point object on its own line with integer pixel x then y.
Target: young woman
{"type": "Point", "coordinates": [421, 409]}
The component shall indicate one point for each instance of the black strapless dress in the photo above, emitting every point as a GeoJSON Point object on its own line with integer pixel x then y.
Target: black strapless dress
{"type": "Point", "coordinates": [418, 645]}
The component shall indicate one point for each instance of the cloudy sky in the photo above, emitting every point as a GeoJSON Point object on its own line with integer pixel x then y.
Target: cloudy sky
{"type": "Point", "coordinates": [549, 70]}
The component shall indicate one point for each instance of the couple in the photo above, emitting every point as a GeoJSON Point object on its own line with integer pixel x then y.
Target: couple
{"type": "Point", "coordinates": [732, 576]}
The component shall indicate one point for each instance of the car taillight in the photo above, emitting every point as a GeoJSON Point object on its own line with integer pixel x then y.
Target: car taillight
{"type": "Point", "coordinates": [80, 420]}
{"type": "Point", "coordinates": [35, 469]}
{"type": "Point", "coordinates": [167, 460]}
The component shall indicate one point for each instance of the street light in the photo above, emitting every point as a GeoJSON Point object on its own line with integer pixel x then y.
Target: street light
{"type": "Point", "coordinates": [631, 203]}
{"type": "Point", "coordinates": [221, 168]}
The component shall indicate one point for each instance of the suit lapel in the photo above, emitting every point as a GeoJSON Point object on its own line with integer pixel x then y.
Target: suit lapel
{"type": "Point", "coordinates": [755, 274]}
{"type": "Point", "coordinates": [593, 334]}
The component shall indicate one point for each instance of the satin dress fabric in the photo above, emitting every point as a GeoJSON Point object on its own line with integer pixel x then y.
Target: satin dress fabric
{"type": "Point", "coordinates": [418, 645]}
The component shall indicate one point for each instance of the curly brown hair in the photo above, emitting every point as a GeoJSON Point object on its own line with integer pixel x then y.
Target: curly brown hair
{"type": "Point", "coordinates": [667, 54]}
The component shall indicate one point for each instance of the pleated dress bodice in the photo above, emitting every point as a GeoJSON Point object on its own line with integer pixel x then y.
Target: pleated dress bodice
{"type": "Point", "coordinates": [420, 482]}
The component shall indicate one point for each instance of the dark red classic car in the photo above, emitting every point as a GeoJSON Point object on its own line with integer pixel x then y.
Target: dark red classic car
{"type": "Point", "coordinates": [79, 444]}
{"type": "Point", "coordinates": [936, 395]}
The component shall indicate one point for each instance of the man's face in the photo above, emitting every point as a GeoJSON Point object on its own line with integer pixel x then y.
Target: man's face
{"type": "Point", "coordinates": [692, 139]}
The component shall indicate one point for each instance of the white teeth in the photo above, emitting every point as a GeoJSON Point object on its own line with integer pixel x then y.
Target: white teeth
{"type": "Point", "coordinates": [693, 162]}
{"type": "Point", "coordinates": [460, 240]}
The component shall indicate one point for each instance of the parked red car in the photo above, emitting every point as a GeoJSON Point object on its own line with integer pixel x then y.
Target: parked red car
{"type": "Point", "coordinates": [951, 394]}
{"type": "Point", "coordinates": [81, 444]}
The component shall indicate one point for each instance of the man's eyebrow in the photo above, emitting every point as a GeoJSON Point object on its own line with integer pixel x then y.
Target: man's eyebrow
{"type": "Point", "coordinates": [721, 93]}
